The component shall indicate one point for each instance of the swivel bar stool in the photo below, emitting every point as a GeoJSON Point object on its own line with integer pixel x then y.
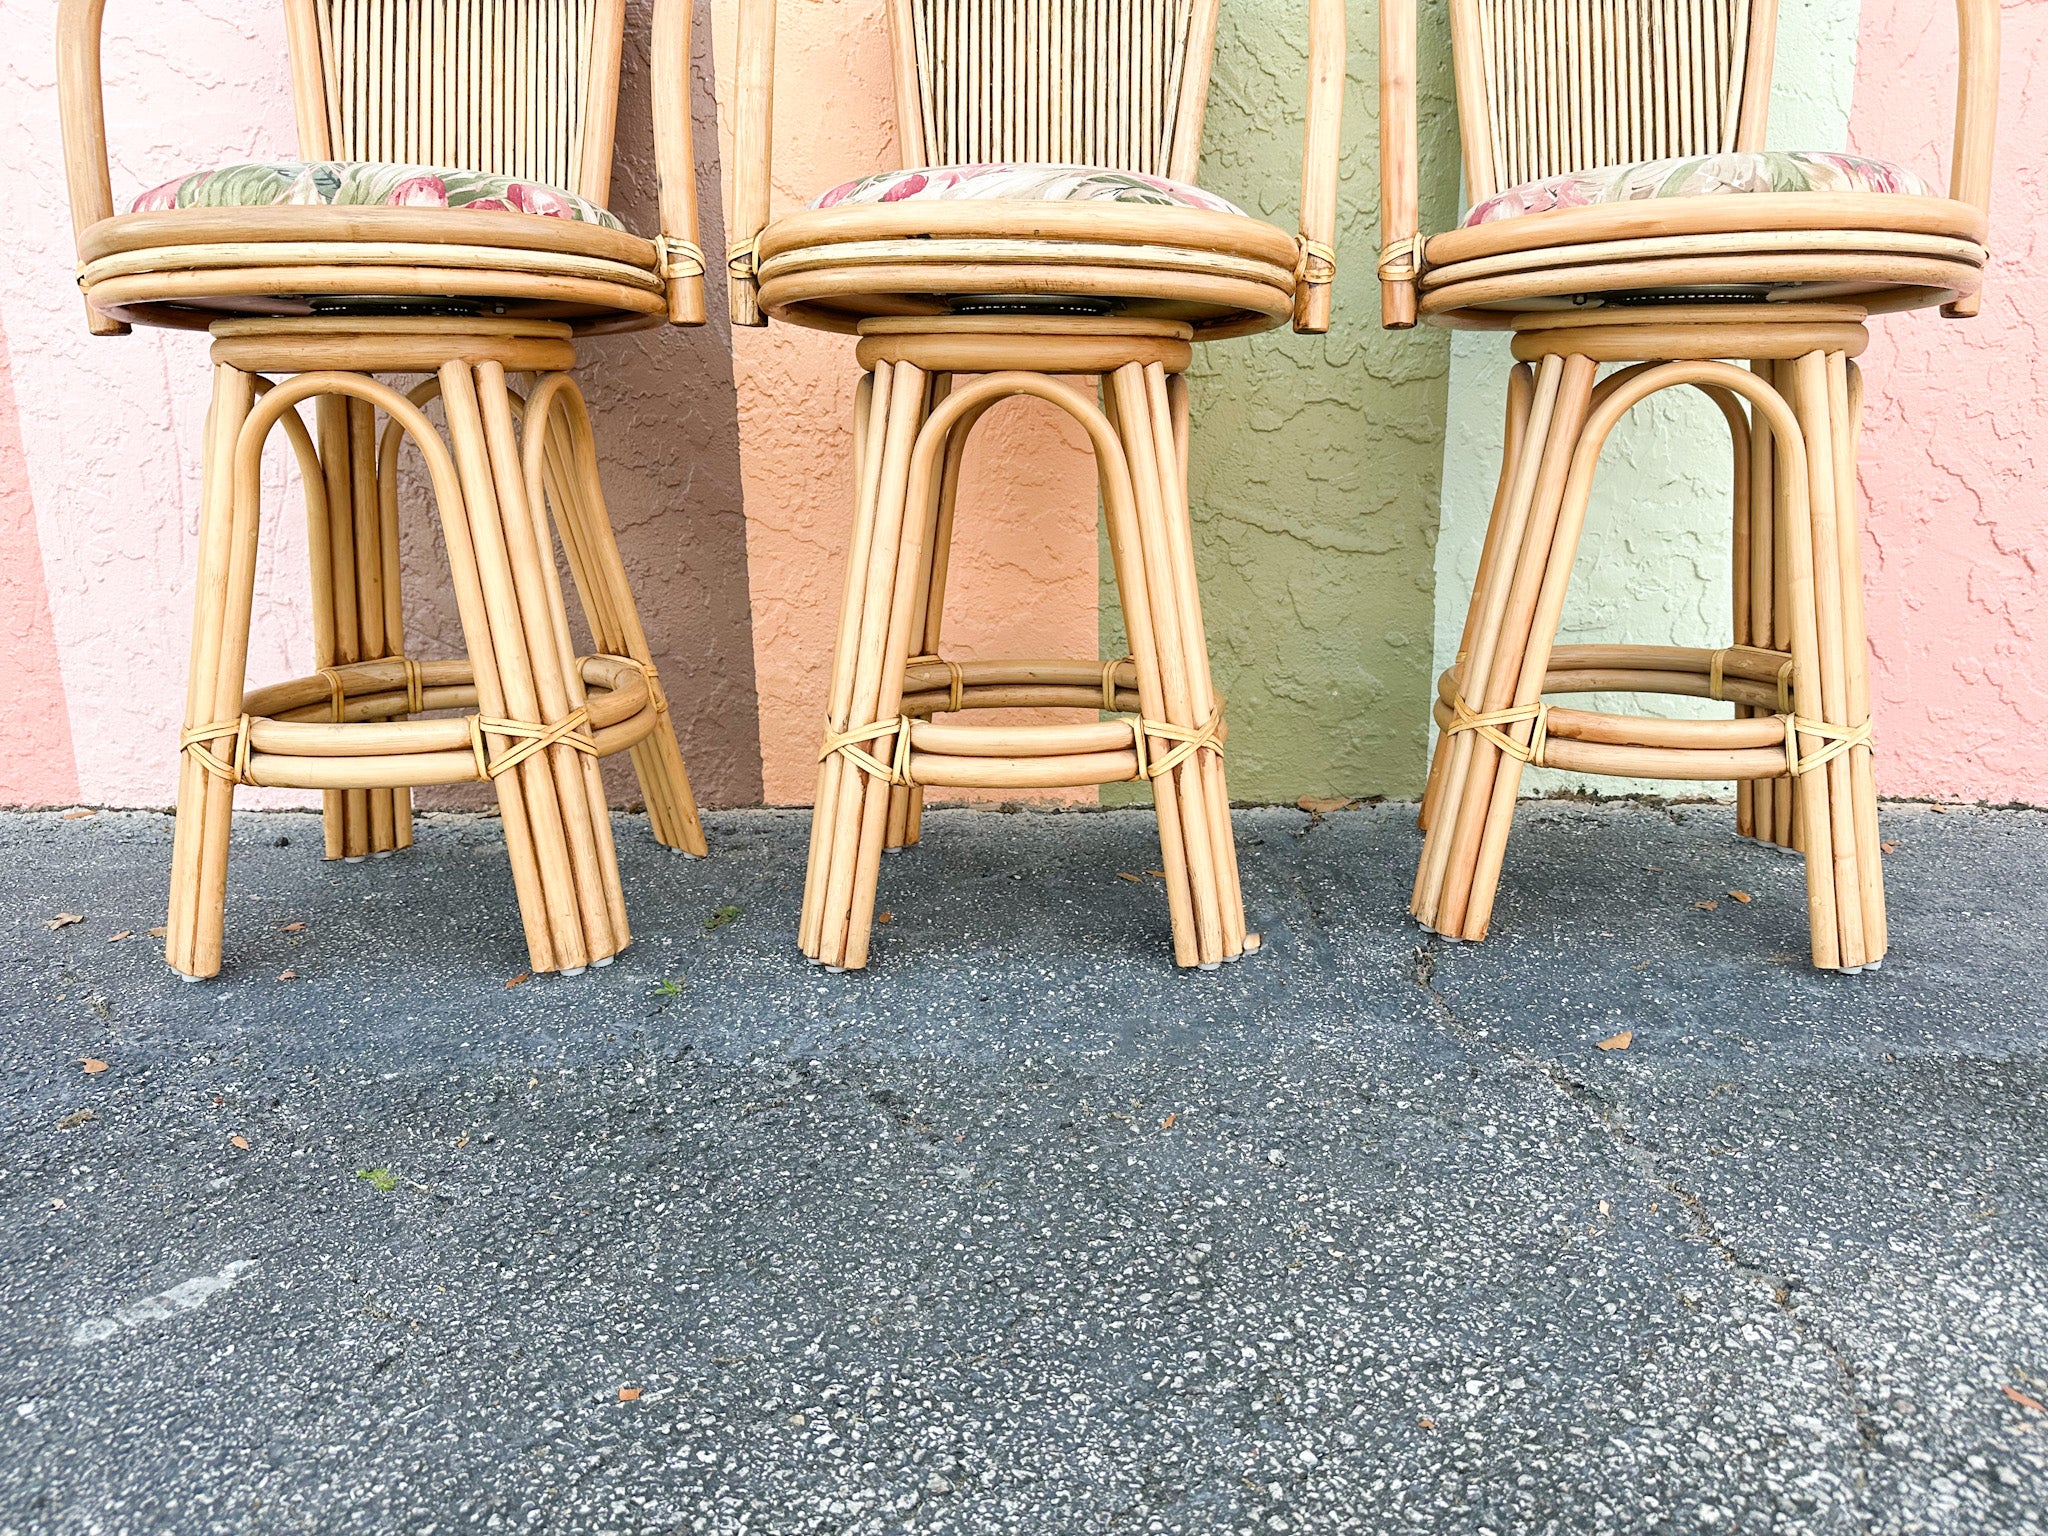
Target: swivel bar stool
{"type": "Point", "coordinates": [447, 219]}
{"type": "Point", "coordinates": [1625, 211]}
{"type": "Point", "coordinates": [1043, 234]}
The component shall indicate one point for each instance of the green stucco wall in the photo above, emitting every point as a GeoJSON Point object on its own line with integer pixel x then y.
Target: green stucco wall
{"type": "Point", "coordinates": [1315, 460]}
{"type": "Point", "coordinates": [1654, 565]}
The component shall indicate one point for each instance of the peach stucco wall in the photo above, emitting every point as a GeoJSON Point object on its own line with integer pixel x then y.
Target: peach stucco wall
{"type": "Point", "coordinates": [1024, 563]}
{"type": "Point", "coordinates": [1956, 438]}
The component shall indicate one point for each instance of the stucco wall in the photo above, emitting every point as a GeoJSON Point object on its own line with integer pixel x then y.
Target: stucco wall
{"type": "Point", "coordinates": [1956, 543]}
{"type": "Point", "coordinates": [1316, 462]}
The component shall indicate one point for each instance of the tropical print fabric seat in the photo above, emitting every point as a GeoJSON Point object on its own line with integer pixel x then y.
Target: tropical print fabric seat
{"type": "Point", "coordinates": [1700, 176]}
{"type": "Point", "coordinates": [1022, 183]}
{"type": "Point", "coordinates": [367, 184]}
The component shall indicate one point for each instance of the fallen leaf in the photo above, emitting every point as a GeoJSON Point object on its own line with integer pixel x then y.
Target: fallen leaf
{"type": "Point", "coordinates": [629, 1394]}
{"type": "Point", "coordinates": [1156, 874]}
{"type": "Point", "coordinates": [1742, 896]}
{"type": "Point", "coordinates": [463, 1142]}
{"type": "Point", "coordinates": [287, 975]}
{"type": "Point", "coordinates": [2023, 1400]}
{"type": "Point", "coordinates": [157, 933]}
{"type": "Point", "coordinates": [519, 981]}
{"type": "Point", "coordinates": [885, 917]}
{"type": "Point", "coordinates": [1425, 1423]}
{"type": "Point", "coordinates": [78, 815]}
{"type": "Point", "coordinates": [1707, 906]}
{"type": "Point", "coordinates": [62, 920]}
{"type": "Point", "coordinates": [239, 1141]}
{"type": "Point", "coordinates": [1124, 874]}
{"type": "Point", "coordinates": [125, 933]}
{"type": "Point", "coordinates": [1322, 805]}
{"type": "Point", "coordinates": [1620, 1042]}
{"type": "Point", "coordinates": [293, 928]}
{"type": "Point", "coordinates": [719, 918]}
{"type": "Point", "coordinates": [1891, 847]}
{"type": "Point", "coordinates": [1168, 1123]}
{"type": "Point", "coordinates": [73, 1122]}
{"type": "Point", "coordinates": [93, 1066]}
{"type": "Point", "coordinates": [1939, 810]}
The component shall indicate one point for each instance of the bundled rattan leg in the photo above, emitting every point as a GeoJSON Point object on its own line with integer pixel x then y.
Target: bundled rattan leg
{"type": "Point", "coordinates": [543, 715]}
{"type": "Point", "coordinates": [889, 678]}
{"type": "Point", "coordinates": [1798, 674]}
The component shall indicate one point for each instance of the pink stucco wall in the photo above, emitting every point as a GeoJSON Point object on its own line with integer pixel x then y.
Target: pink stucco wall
{"type": "Point", "coordinates": [1955, 443]}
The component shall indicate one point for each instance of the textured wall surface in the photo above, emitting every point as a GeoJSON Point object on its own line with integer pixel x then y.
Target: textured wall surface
{"type": "Point", "coordinates": [1314, 459]}
{"type": "Point", "coordinates": [1654, 564]}
{"type": "Point", "coordinates": [1955, 541]}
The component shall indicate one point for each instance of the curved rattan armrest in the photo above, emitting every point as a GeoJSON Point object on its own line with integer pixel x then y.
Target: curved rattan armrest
{"type": "Point", "coordinates": [753, 133]}
{"type": "Point", "coordinates": [1969, 171]}
{"type": "Point", "coordinates": [1400, 265]}
{"type": "Point", "coordinates": [83, 113]}
{"type": "Point", "coordinates": [1321, 154]}
{"type": "Point", "coordinates": [682, 257]}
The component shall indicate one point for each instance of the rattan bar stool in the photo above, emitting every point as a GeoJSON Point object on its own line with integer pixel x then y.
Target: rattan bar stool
{"type": "Point", "coordinates": [1624, 212]}
{"type": "Point", "coordinates": [447, 220]}
{"type": "Point", "coordinates": [1043, 239]}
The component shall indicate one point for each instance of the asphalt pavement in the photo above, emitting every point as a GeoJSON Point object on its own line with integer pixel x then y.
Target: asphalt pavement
{"type": "Point", "coordinates": [1022, 1230]}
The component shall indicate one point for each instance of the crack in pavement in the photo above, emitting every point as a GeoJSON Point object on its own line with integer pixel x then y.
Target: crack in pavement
{"type": "Point", "coordinates": [1649, 1164]}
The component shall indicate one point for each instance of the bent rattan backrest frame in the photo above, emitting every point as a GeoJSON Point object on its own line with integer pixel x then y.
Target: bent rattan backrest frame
{"type": "Point", "coordinates": [1115, 83]}
{"type": "Point", "coordinates": [1548, 87]}
{"type": "Point", "coordinates": [522, 88]}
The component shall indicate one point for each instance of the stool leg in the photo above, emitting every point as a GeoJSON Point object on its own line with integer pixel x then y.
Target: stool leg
{"type": "Point", "coordinates": [1521, 391]}
{"type": "Point", "coordinates": [1511, 643]}
{"type": "Point", "coordinates": [529, 796]}
{"type": "Point", "coordinates": [906, 801]}
{"type": "Point", "coordinates": [220, 640]}
{"type": "Point", "coordinates": [1845, 385]}
{"type": "Point", "coordinates": [573, 489]}
{"type": "Point", "coordinates": [1185, 697]}
{"type": "Point", "coordinates": [345, 812]}
{"type": "Point", "coordinates": [851, 817]}
{"type": "Point", "coordinates": [1819, 396]}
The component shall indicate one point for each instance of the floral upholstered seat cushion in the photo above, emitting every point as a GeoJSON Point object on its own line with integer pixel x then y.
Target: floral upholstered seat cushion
{"type": "Point", "coordinates": [367, 184]}
{"type": "Point", "coordinates": [1022, 183]}
{"type": "Point", "coordinates": [1700, 176]}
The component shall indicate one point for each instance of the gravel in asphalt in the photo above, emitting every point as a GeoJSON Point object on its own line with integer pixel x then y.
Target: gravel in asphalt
{"type": "Point", "coordinates": [1021, 1230]}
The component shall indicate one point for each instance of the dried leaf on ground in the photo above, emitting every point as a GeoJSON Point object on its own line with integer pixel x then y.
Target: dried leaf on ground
{"type": "Point", "coordinates": [1425, 1423]}
{"type": "Point", "coordinates": [1620, 1042]}
{"type": "Point", "coordinates": [1168, 1123]}
{"type": "Point", "coordinates": [1707, 906]}
{"type": "Point", "coordinates": [287, 975]}
{"type": "Point", "coordinates": [157, 933]}
{"type": "Point", "coordinates": [74, 1121]}
{"type": "Point", "coordinates": [293, 928]}
{"type": "Point", "coordinates": [125, 933]}
{"type": "Point", "coordinates": [93, 1066]}
{"type": "Point", "coordinates": [1742, 896]}
{"type": "Point", "coordinates": [629, 1394]}
{"type": "Point", "coordinates": [1156, 874]}
{"type": "Point", "coordinates": [1125, 874]}
{"type": "Point", "coordinates": [1889, 847]}
{"type": "Point", "coordinates": [2023, 1400]}
{"type": "Point", "coordinates": [77, 815]}
{"type": "Point", "coordinates": [239, 1141]}
{"type": "Point", "coordinates": [62, 920]}
{"type": "Point", "coordinates": [519, 981]}
{"type": "Point", "coordinates": [1322, 805]}
{"type": "Point", "coordinates": [885, 917]}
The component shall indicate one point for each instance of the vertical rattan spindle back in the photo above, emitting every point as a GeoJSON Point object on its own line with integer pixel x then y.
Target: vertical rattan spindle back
{"type": "Point", "coordinates": [1116, 83]}
{"type": "Point", "coordinates": [1547, 87]}
{"type": "Point", "coordinates": [524, 88]}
